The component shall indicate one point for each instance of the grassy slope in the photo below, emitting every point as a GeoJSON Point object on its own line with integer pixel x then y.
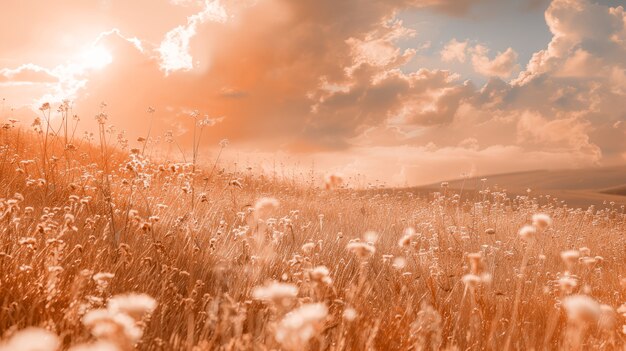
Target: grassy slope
{"type": "Point", "coordinates": [202, 272]}
{"type": "Point", "coordinates": [578, 187]}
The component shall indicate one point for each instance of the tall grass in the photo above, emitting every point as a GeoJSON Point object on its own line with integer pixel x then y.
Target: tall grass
{"type": "Point", "coordinates": [115, 250]}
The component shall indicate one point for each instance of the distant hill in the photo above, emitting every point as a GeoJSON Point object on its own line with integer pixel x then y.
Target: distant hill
{"type": "Point", "coordinates": [577, 187]}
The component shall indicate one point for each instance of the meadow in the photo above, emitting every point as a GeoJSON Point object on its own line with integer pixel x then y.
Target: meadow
{"type": "Point", "coordinates": [104, 247]}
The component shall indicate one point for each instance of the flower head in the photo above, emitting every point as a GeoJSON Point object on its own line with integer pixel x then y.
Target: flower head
{"type": "Point", "coordinates": [265, 206]}
{"type": "Point", "coordinates": [362, 250]}
{"type": "Point", "coordinates": [276, 292]}
{"type": "Point", "coordinates": [542, 221]}
{"type": "Point", "coordinates": [581, 309]}
{"type": "Point", "coordinates": [32, 339]}
{"type": "Point", "coordinates": [296, 329]}
{"type": "Point", "coordinates": [528, 232]}
{"type": "Point", "coordinates": [133, 305]}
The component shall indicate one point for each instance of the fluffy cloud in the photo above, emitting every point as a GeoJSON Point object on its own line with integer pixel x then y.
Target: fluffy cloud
{"type": "Point", "coordinates": [502, 66]}
{"type": "Point", "coordinates": [566, 134]}
{"type": "Point", "coordinates": [305, 77]}
{"type": "Point", "coordinates": [454, 51]}
{"type": "Point", "coordinates": [174, 49]}
{"type": "Point", "coordinates": [27, 73]}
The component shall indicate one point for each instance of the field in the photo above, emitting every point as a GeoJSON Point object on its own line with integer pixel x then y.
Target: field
{"type": "Point", "coordinates": [104, 248]}
{"type": "Point", "coordinates": [577, 188]}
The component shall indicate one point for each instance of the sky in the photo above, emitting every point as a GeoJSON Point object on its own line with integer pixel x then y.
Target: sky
{"type": "Point", "coordinates": [404, 91]}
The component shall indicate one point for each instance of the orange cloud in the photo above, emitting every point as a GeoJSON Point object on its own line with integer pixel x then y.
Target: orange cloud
{"type": "Point", "coordinates": [27, 73]}
{"type": "Point", "coordinates": [302, 76]}
{"type": "Point", "coordinates": [502, 66]}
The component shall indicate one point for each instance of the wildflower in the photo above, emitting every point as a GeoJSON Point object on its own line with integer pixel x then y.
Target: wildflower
{"type": "Point", "coordinates": [370, 237]}
{"type": "Point", "coordinates": [101, 118]}
{"type": "Point", "coordinates": [308, 247]}
{"type": "Point", "coordinates": [133, 305]}
{"type": "Point", "coordinates": [321, 274]}
{"type": "Point", "coordinates": [223, 143]}
{"type": "Point", "coordinates": [567, 284]}
{"type": "Point", "coordinates": [349, 314]}
{"type": "Point", "coordinates": [69, 218]}
{"type": "Point", "coordinates": [528, 232]}
{"type": "Point", "coordinates": [27, 241]}
{"type": "Point", "coordinates": [399, 262]}
{"type": "Point", "coordinates": [265, 206]}
{"type": "Point", "coordinates": [102, 280]}
{"type": "Point", "coordinates": [362, 250]}
{"type": "Point", "coordinates": [581, 309]}
{"type": "Point", "coordinates": [107, 325]}
{"type": "Point", "coordinates": [296, 329]}
{"type": "Point", "coordinates": [207, 122]}
{"type": "Point", "coordinates": [275, 292]}
{"type": "Point", "coordinates": [541, 221]}
{"type": "Point", "coordinates": [32, 339]}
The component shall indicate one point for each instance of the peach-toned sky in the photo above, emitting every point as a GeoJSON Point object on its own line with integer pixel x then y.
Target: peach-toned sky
{"type": "Point", "coordinates": [406, 91]}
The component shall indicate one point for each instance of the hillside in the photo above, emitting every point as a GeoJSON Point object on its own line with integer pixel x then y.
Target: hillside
{"type": "Point", "coordinates": [577, 187]}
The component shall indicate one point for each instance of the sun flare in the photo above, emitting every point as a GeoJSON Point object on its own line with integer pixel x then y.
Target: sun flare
{"type": "Point", "coordinates": [97, 57]}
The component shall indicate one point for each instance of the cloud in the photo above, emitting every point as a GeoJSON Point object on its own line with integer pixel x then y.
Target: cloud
{"type": "Point", "coordinates": [174, 49]}
{"type": "Point", "coordinates": [301, 76]}
{"type": "Point", "coordinates": [454, 51]}
{"type": "Point", "coordinates": [568, 134]}
{"type": "Point", "coordinates": [502, 66]}
{"type": "Point", "coordinates": [452, 7]}
{"type": "Point", "coordinates": [583, 32]}
{"type": "Point", "coordinates": [27, 73]}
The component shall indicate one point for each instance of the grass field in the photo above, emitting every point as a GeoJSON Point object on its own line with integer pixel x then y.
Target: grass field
{"type": "Point", "coordinates": [103, 248]}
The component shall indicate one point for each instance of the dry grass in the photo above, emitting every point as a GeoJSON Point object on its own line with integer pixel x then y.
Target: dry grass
{"type": "Point", "coordinates": [235, 261]}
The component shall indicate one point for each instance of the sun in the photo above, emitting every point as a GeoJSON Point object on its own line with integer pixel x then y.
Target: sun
{"type": "Point", "coordinates": [97, 57]}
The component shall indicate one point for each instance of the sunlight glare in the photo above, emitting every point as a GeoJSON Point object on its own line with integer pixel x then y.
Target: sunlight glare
{"type": "Point", "coordinates": [98, 57]}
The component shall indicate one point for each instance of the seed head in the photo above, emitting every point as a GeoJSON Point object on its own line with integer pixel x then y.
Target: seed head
{"type": "Point", "coordinates": [528, 232]}
{"type": "Point", "coordinates": [278, 293]}
{"type": "Point", "coordinates": [32, 339]}
{"type": "Point", "coordinates": [362, 250]}
{"type": "Point", "coordinates": [297, 327]}
{"type": "Point", "coordinates": [581, 309]}
{"type": "Point", "coordinates": [542, 221]}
